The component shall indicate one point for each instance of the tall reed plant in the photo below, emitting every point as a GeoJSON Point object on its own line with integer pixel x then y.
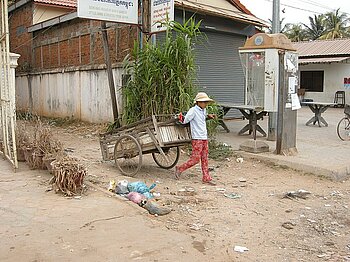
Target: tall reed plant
{"type": "Point", "coordinates": [162, 75]}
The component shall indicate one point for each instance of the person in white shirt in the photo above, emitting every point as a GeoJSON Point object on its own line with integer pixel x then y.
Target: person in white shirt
{"type": "Point", "coordinates": [197, 116]}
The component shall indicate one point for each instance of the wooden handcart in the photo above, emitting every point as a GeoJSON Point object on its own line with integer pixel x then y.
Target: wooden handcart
{"type": "Point", "coordinates": [159, 135]}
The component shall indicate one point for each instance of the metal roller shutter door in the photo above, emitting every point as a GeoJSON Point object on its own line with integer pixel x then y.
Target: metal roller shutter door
{"type": "Point", "coordinates": [220, 72]}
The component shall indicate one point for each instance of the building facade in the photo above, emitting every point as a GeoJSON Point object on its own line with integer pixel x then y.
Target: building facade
{"type": "Point", "coordinates": [324, 67]}
{"type": "Point", "coordinates": [62, 72]}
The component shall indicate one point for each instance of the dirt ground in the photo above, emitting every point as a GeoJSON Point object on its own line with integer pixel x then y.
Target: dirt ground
{"type": "Point", "coordinates": [247, 208]}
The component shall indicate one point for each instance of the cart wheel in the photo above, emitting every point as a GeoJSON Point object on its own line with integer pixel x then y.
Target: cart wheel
{"type": "Point", "coordinates": [343, 129]}
{"type": "Point", "coordinates": [128, 155]}
{"type": "Point", "coordinates": [173, 154]}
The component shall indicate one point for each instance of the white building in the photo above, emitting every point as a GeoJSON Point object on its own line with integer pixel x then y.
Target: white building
{"type": "Point", "coordinates": [324, 69]}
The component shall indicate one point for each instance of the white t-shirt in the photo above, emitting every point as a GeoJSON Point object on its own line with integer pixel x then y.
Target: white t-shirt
{"type": "Point", "coordinates": [196, 116]}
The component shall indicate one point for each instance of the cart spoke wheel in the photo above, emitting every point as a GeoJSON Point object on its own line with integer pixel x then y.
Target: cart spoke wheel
{"type": "Point", "coordinates": [343, 129]}
{"type": "Point", "coordinates": [172, 154]}
{"type": "Point", "coordinates": [128, 155]}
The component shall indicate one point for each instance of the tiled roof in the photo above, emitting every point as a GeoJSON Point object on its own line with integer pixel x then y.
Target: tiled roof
{"type": "Point", "coordinates": [336, 47]}
{"type": "Point", "coordinates": [67, 3]}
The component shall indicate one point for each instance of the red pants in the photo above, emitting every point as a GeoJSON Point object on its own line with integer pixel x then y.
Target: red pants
{"type": "Point", "coordinates": [199, 153]}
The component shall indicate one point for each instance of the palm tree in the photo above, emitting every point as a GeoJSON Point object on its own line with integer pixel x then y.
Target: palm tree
{"type": "Point", "coordinates": [336, 25]}
{"type": "Point", "coordinates": [282, 27]}
{"type": "Point", "coordinates": [295, 32]}
{"type": "Point", "coordinates": [316, 28]}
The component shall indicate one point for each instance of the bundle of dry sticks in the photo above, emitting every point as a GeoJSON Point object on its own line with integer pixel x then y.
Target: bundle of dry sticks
{"type": "Point", "coordinates": [68, 175]}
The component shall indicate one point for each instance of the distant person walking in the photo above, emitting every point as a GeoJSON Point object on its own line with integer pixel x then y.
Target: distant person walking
{"type": "Point", "coordinates": [197, 116]}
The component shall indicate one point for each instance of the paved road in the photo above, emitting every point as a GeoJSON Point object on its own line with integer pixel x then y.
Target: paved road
{"type": "Point", "coordinates": [320, 151]}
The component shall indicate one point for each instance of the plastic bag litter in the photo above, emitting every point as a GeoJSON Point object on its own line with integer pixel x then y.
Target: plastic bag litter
{"type": "Point", "coordinates": [301, 193]}
{"type": "Point", "coordinates": [232, 195]}
{"type": "Point", "coordinates": [111, 187]}
{"type": "Point", "coordinates": [135, 197]}
{"type": "Point", "coordinates": [122, 187]}
{"type": "Point", "coordinates": [140, 187]}
{"type": "Point", "coordinates": [240, 249]}
{"type": "Point", "coordinates": [154, 209]}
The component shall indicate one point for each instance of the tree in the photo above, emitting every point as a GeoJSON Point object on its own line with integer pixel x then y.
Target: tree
{"type": "Point", "coordinates": [336, 25]}
{"type": "Point", "coordinates": [295, 32]}
{"type": "Point", "coordinates": [283, 27]}
{"type": "Point", "coordinates": [316, 28]}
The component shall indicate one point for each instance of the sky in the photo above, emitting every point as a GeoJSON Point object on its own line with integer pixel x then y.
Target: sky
{"type": "Point", "coordinates": [295, 11]}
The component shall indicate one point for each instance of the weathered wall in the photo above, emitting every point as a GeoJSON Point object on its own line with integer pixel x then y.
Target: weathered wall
{"type": "Point", "coordinates": [20, 40]}
{"type": "Point", "coordinates": [334, 75]}
{"type": "Point", "coordinates": [81, 94]}
{"type": "Point", "coordinates": [46, 12]}
{"type": "Point", "coordinates": [76, 42]}
{"type": "Point", "coordinates": [79, 43]}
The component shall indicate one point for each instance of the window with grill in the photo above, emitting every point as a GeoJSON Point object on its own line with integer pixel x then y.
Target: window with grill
{"type": "Point", "coordinates": [312, 81]}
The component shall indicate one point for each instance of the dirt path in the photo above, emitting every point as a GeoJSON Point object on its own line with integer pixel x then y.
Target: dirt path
{"type": "Point", "coordinates": [246, 209]}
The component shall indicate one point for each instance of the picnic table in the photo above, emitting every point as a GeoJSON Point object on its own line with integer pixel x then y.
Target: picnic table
{"type": "Point", "coordinates": [251, 113]}
{"type": "Point", "coordinates": [318, 108]}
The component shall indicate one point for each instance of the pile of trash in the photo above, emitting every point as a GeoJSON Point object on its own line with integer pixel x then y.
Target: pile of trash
{"type": "Point", "coordinates": [139, 193]}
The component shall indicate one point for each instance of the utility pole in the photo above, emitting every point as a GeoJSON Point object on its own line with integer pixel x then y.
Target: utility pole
{"type": "Point", "coordinates": [276, 24]}
{"type": "Point", "coordinates": [276, 28]}
{"type": "Point", "coordinates": [109, 72]}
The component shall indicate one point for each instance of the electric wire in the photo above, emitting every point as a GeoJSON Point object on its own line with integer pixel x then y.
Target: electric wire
{"type": "Point", "coordinates": [308, 10]}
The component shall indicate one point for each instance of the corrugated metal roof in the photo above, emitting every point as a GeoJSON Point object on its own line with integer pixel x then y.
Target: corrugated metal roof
{"type": "Point", "coordinates": [225, 8]}
{"type": "Point", "coordinates": [67, 3]}
{"type": "Point", "coordinates": [222, 8]}
{"type": "Point", "coordinates": [323, 47]}
{"type": "Point", "coordinates": [320, 60]}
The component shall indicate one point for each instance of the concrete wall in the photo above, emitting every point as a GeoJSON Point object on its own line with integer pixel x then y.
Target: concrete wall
{"type": "Point", "coordinates": [334, 75]}
{"type": "Point", "coordinates": [81, 94]}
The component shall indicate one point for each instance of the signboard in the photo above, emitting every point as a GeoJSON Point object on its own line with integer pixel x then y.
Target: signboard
{"type": "Point", "coordinates": [120, 11]}
{"type": "Point", "coordinates": [160, 11]}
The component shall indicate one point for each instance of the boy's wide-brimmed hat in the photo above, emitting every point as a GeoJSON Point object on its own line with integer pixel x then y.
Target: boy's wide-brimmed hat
{"type": "Point", "coordinates": [202, 97]}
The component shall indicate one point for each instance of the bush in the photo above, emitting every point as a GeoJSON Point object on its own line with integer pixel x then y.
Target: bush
{"type": "Point", "coordinates": [163, 75]}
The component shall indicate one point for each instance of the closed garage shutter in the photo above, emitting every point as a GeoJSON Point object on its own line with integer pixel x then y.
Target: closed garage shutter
{"type": "Point", "coordinates": [220, 72]}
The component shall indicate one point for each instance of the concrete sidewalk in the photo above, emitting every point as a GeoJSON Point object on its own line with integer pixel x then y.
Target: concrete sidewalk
{"type": "Point", "coordinates": [320, 151]}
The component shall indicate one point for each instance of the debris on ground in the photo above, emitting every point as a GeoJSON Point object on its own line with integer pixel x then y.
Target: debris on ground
{"type": "Point", "coordinates": [239, 160]}
{"type": "Point", "coordinates": [154, 209]}
{"type": "Point", "coordinates": [187, 191]}
{"type": "Point", "coordinates": [122, 187]}
{"type": "Point", "coordinates": [242, 180]}
{"type": "Point", "coordinates": [135, 197]}
{"type": "Point", "coordinates": [140, 194]}
{"type": "Point", "coordinates": [301, 193]}
{"type": "Point", "coordinates": [142, 188]}
{"type": "Point", "coordinates": [112, 186]}
{"type": "Point", "coordinates": [232, 195]}
{"type": "Point", "coordinates": [240, 249]}
{"type": "Point", "coordinates": [68, 175]}
{"type": "Point", "coordinates": [288, 225]}
{"type": "Point", "coordinates": [196, 226]}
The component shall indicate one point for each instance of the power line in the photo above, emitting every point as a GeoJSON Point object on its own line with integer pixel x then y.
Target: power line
{"type": "Point", "coordinates": [307, 10]}
{"type": "Point", "coordinates": [302, 9]}
{"type": "Point", "coordinates": [294, 7]}
{"type": "Point", "coordinates": [313, 3]}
